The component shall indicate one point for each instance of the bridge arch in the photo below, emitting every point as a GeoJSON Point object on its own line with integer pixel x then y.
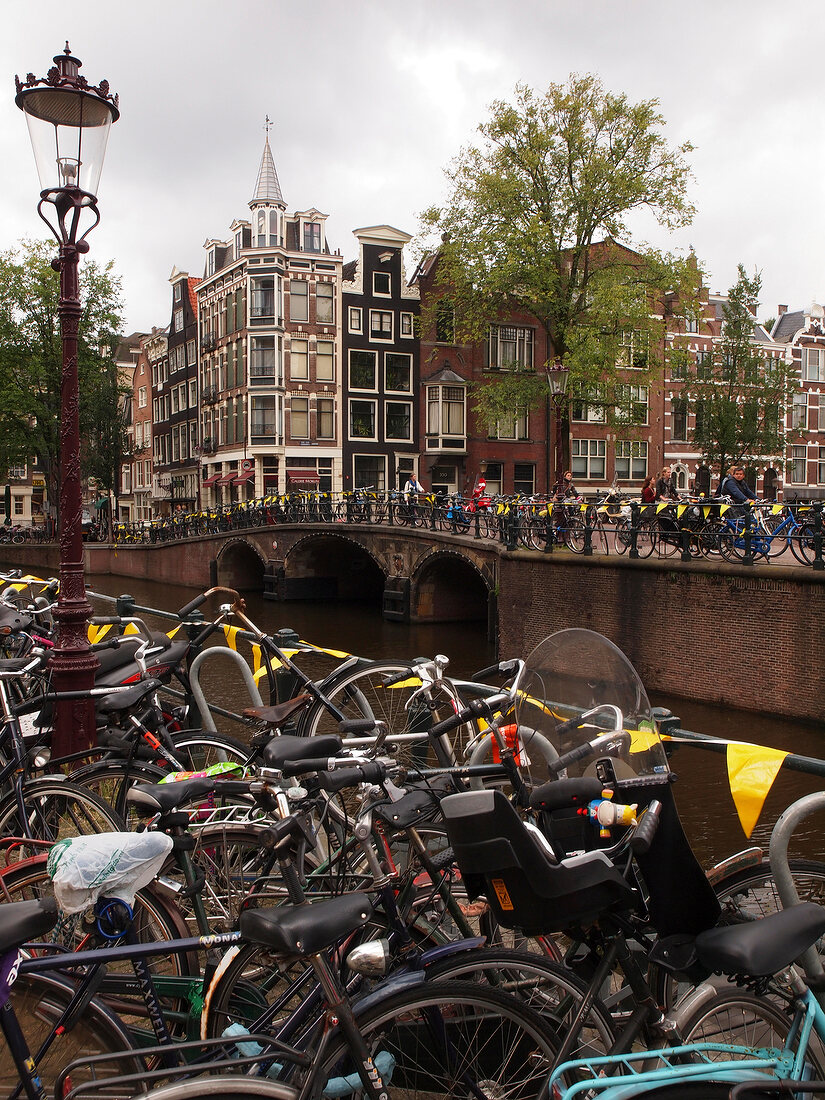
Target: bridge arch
{"type": "Point", "coordinates": [332, 566]}
{"type": "Point", "coordinates": [240, 565]}
{"type": "Point", "coordinates": [448, 586]}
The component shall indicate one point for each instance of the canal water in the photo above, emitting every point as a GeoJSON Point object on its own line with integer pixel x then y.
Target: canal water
{"type": "Point", "coordinates": [702, 791]}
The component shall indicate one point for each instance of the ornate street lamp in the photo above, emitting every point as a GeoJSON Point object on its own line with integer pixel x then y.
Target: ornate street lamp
{"type": "Point", "coordinates": [557, 379]}
{"type": "Point", "coordinates": [69, 122]}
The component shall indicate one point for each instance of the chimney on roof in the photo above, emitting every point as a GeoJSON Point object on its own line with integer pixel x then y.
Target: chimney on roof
{"type": "Point", "coordinates": [781, 310]}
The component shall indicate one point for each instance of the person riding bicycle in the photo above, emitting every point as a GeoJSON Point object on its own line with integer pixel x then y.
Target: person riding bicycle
{"type": "Point", "coordinates": [412, 488]}
{"type": "Point", "coordinates": [666, 486]}
{"type": "Point", "coordinates": [737, 489]}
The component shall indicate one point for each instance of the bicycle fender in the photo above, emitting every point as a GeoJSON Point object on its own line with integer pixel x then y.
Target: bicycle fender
{"type": "Point", "coordinates": [739, 861]}
{"type": "Point", "coordinates": [404, 979]}
{"type": "Point", "coordinates": [457, 947]}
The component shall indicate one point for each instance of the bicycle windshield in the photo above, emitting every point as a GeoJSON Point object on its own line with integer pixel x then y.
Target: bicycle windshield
{"type": "Point", "coordinates": [581, 675]}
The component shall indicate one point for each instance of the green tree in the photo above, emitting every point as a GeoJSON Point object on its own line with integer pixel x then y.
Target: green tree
{"type": "Point", "coordinates": [31, 353]}
{"type": "Point", "coordinates": [531, 222]}
{"type": "Point", "coordinates": [107, 414]}
{"type": "Point", "coordinates": [740, 394]}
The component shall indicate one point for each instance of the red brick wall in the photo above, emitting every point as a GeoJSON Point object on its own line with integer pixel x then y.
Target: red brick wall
{"type": "Point", "coordinates": [749, 640]}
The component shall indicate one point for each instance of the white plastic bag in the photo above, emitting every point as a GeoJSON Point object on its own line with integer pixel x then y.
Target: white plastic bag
{"type": "Point", "coordinates": [85, 868]}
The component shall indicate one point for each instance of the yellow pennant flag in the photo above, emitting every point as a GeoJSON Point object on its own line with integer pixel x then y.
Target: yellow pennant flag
{"type": "Point", "coordinates": [643, 740]}
{"type": "Point", "coordinates": [723, 508]}
{"type": "Point", "coordinates": [706, 511]}
{"type": "Point", "coordinates": [582, 507]}
{"type": "Point", "coordinates": [171, 633]}
{"type": "Point", "coordinates": [256, 658]}
{"type": "Point", "coordinates": [274, 664]}
{"type": "Point", "coordinates": [777, 508]}
{"type": "Point", "coordinates": [680, 509]}
{"type": "Point", "coordinates": [130, 628]}
{"type": "Point", "coordinates": [319, 649]}
{"type": "Point", "coordinates": [662, 504]}
{"type": "Point", "coordinates": [231, 635]}
{"type": "Point", "coordinates": [751, 772]}
{"type": "Point", "coordinates": [410, 682]}
{"type": "Point", "coordinates": [97, 633]}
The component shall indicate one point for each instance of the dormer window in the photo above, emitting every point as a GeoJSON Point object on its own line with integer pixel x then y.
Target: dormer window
{"type": "Point", "coordinates": [312, 237]}
{"type": "Point", "coordinates": [238, 244]}
{"type": "Point", "coordinates": [177, 292]}
{"type": "Point", "coordinates": [210, 262]}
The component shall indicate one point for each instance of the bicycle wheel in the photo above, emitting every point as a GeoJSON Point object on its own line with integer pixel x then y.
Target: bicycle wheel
{"type": "Point", "coordinates": [199, 749]}
{"type": "Point", "coordinates": [39, 1000]}
{"type": "Point", "coordinates": [806, 544]}
{"type": "Point", "coordinates": [574, 536]}
{"type": "Point", "coordinates": [548, 988]}
{"type": "Point", "coordinates": [228, 1086]}
{"type": "Point", "coordinates": [369, 692]}
{"type": "Point", "coordinates": [621, 537]}
{"type": "Point", "coordinates": [451, 1039]}
{"type": "Point", "coordinates": [737, 1017]}
{"type": "Point", "coordinates": [111, 779]}
{"type": "Point", "coordinates": [54, 809]}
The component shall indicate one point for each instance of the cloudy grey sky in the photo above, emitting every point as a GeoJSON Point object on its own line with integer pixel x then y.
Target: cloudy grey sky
{"type": "Point", "coordinates": [371, 98]}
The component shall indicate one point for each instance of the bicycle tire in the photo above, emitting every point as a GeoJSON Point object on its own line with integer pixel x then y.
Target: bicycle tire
{"type": "Point", "coordinates": [646, 537]}
{"type": "Point", "coordinates": [156, 919]}
{"type": "Point", "coordinates": [737, 1017]}
{"type": "Point", "coordinates": [55, 809]}
{"type": "Point", "coordinates": [621, 537]}
{"type": "Point", "coordinates": [108, 778]}
{"type": "Point", "coordinates": [574, 536]}
{"type": "Point", "coordinates": [202, 748]}
{"type": "Point", "coordinates": [502, 1047]}
{"type": "Point", "coordinates": [547, 987]}
{"type": "Point", "coordinates": [806, 543]}
{"type": "Point", "coordinates": [361, 693]}
{"type": "Point", "coordinates": [39, 1001]}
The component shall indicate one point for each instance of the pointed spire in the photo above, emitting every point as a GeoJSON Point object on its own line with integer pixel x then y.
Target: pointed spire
{"type": "Point", "coordinates": [267, 189]}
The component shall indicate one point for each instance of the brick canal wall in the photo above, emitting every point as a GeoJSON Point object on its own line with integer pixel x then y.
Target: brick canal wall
{"type": "Point", "coordinates": [749, 638]}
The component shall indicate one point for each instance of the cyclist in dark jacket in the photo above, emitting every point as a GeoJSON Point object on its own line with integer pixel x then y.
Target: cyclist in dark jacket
{"type": "Point", "coordinates": [735, 487]}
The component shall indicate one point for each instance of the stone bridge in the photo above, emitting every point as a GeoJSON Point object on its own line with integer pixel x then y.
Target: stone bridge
{"type": "Point", "coordinates": [417, 575]}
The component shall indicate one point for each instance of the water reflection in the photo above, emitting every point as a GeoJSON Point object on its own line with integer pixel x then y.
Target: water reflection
{"type": "Point", "coordinates": [702, 791]}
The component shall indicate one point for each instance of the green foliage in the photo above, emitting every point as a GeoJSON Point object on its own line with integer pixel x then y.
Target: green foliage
{"type": "Point", "coordinates": [531, 222]}
{"type": "Point", "coordinates": [741, 396]}
{"type": "Point", "coordinates": [31, 352]}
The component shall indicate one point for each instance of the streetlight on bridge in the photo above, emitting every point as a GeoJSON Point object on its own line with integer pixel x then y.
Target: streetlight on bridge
{"type": "Point", "coordinates": [557, 378]}
{"type": "Point", "coordinates": [69, 122]}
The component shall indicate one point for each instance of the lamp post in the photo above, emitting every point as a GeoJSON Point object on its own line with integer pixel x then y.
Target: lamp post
{"type": "Point", "coordinates": [69, 122]}
{"type": "Point", "coordinates": [557, 378]}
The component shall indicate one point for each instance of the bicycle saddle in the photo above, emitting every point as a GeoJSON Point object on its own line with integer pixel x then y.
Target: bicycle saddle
{"type": "Point", "coordinates": [763, 946]}
{"type": "Point", "coordinates": [21, 921]}
{"type": "Point", "coordinates": [288, 747]}
{"type": "Point", "coordinates": [306, 929]}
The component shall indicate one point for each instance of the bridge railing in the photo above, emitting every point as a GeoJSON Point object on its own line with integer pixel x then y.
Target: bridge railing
{"type": "Point", "coordinates": [690, 528]}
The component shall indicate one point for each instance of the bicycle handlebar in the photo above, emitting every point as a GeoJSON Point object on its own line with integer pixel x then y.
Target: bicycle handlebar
{"type": "Point", "coordinates": [188, 608]}
{"type": "Point", "coordinates": [478, 708]}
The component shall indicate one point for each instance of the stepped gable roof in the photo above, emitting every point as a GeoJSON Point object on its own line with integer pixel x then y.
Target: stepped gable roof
{"type": "Point", "coordinates": [788, 325]}
{"type": "Point", "coordinates": [268, 187]}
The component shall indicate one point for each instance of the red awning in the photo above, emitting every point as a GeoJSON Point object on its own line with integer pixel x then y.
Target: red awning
{"type": "Point", "coordinates": [308, 477]}
{"type": "Point", "coordinates": [211, 479]}
{"type": "Point", "coordinates": [227, 479]}
{"type": "Point", "coordinates": [247, 475]}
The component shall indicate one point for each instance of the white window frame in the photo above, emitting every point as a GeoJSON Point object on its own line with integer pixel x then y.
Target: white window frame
{"type": "Point", "coordinates": [409, 362]}
{"type": "Point", "coordinates": [441, 398]}
{"type": "Point", "coordinates": [398, 438]}
{"type": "Point", "coordinates": [406, 326]}
{"type": "Point", "coordinates": [325, 292]}
{"type": "Point", "coordinates": [293, 403]}
{"type": "Point", "coordinates": [142, 397]}
{"type": "Point", "coordinates": [799, 409]}
{"type": "Point", "coordinates": [799, 454]}
{"type": "Point", "coordinates": [325, 358]}
{"type": "Point", "coordinates": [514, 428]}
{"type": "Point", "coordinates": [585, 456]}
{"type": "Point", "coordinates": [365, 401]}
{"type": "Point", "coordinates": [631, 451]}
{"type": "Point", "coordinates": [376, 275]}
{"type": "Point", "coordinates": [299, 295]}
{"type": "Point", "coordinates": [522, 340]}
{"type": "Point", "coordinates": [384, 338]}
{"type": "Point", "coordinates": [299, 359]}
{"type": "Point", "coordinates": [364, 389]}
{"type": "Point", "coordinates": [355, 319]}
{"type": "Point", "coordinates": [319, 412]}
{"type": "Point", "coordinates": [637, 396]}
{"type": "Point", "coordinates": [629, 349]}
{"type": "Point", "coordinates": [813, 364]}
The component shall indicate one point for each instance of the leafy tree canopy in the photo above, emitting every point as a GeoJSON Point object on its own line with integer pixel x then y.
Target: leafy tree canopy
{"type": "Point", "coordinates": [31, 352]}
{"type": "Point", "coordinates": [740, 395]}
{"type": "Point", "coordinates": [531, 222]}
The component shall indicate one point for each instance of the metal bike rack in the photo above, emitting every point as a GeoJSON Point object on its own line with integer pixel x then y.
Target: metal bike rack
{"type": "Point", "coordinates": [197, 690]}
{"type": "Point", "coordinates": [778, 853]}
